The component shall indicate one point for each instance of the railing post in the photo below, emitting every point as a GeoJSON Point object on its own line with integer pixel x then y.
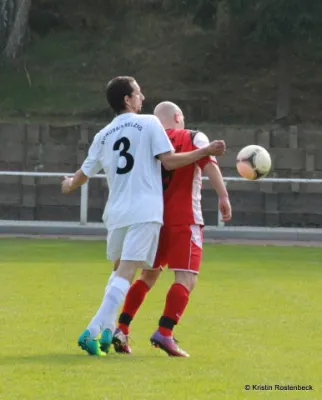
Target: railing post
{"type": "Point", "coordinates": [220, 223]}
{"type": "Point", "coordinates": [84, 204]}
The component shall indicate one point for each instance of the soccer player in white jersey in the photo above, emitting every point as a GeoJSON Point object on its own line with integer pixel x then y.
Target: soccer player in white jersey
{"type": "Point", "coordinates": [130, 150]}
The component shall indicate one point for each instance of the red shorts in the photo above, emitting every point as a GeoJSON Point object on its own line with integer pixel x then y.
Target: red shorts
{"type": "Point", "coordinates": [180, 247]}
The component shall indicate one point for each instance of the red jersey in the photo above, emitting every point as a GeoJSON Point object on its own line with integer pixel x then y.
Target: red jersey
{"type": "Point", "coordinates": [182, 187]}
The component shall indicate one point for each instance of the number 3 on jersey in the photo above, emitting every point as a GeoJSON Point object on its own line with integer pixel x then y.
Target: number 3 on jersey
{"type": "Point", "coordinates": [124, 153]}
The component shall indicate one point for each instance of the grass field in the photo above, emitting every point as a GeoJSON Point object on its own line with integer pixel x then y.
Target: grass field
{"type": "Point", "coordinates": [254, 318]}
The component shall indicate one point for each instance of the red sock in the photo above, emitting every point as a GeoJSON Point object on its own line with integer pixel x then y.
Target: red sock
{"type": "Point", "coordinates": [176, 302]}
{"type": "Point", "coordinates": [133, 301]}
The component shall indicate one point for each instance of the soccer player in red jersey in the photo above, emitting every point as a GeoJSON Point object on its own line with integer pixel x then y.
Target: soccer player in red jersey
{"type": "Point", "coordinates": [180, 243]}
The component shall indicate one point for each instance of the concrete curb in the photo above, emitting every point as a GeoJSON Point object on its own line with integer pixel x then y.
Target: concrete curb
{"type": "Point", "coordinates": [41, 228]}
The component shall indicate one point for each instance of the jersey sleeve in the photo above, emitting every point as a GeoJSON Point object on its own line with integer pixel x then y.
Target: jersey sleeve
{"type": "Point", "coordinates": [160, 141]}
{"type": "Point", "coordinates": [201, 140]}
{"type": "Point", "coordinates": [92, 164]}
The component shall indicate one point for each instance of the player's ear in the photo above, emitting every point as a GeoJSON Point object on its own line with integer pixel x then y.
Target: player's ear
{"type": "Point", "coordinates": [176, 117]}
{"type": "Point", "coordinates": [126, 100]}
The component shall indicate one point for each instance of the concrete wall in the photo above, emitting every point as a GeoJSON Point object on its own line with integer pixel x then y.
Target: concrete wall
{"type": "Point", "coordinates": [296, 152]}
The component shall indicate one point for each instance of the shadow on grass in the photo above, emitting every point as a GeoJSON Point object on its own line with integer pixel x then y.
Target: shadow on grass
{"type": "Point", "coordinates": [75, 359]}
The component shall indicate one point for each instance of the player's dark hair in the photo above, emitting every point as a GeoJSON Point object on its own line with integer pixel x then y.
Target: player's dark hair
{"type": "Point", "coordinates": [116, 90]}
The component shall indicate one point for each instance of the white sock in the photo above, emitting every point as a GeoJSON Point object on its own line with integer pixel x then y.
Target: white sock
{"type": "Point", "coordinates": [93, 327]}
{"type": "Point", "coordinates": [107, 313]}
{"type": "Point", "coordinates": [110, 280]}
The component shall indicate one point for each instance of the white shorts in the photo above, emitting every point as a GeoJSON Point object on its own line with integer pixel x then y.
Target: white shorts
{"type": "Point", "coordinates": [137, 242]}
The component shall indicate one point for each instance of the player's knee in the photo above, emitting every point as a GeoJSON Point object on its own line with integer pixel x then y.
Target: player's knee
{"type": "Point", "coordinates": [193, 282]}
{"type": "Point", "coordinates": [149, 277]}
{"type": "Point", "coordinates": [116, 265]}
{"type": "Point", "coordinates": [187, 279]}
{"type": "Point", "coordinates": [127, 269]}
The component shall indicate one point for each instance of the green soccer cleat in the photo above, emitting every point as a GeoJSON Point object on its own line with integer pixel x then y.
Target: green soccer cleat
{"type": "Point", "coordinates": [106, 340]}
{"type": "Point", "coordinates": [92, 345]}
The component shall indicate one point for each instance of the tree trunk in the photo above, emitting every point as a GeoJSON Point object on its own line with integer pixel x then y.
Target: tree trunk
{"type": "Point", "coordinates": [284, 78]}
{"type": "Point", "coordinates": [7, 15]}
{"type": "Point", "coordinates": [225, 25]}
{"type": "Point", "coordinates": [17, 29]}
{"type": "Point", "coordinates": [233, 30]}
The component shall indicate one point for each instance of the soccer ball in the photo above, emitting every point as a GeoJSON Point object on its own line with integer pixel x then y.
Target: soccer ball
{"type": "Point", "coordinates": [253, 162]}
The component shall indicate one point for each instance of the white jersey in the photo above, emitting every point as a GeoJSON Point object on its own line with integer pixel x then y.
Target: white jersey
{"type": "Point", "coordinates": [126, 150]}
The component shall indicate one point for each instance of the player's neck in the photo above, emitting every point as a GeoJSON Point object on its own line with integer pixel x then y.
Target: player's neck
{"type": "Point", "coordinates": [126, 112]}
{"type": "Point", "coordinates": [168, 127]}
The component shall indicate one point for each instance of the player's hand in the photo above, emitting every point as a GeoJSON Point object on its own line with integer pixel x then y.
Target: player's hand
{"type": "Point", "coordinates": [217, 148]}
{"type": "Point", "coordinates": [66, 185]}
{"type": "Point", "coordinates": [225, 209]}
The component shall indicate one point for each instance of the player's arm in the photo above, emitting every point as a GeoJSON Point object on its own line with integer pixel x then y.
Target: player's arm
{"type": "Point", "coordinates": [70, 184]}
{"type": "Point", "coordinates": [90, 167]}
{"type": "Point", "coordinates": [164, 151]}
{"type": "Point", "coordinates": [171, 160]}
{"type": "Point", "coordinates": [212, 170]}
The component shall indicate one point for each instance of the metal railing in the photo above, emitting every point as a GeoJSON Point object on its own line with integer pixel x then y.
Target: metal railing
{"type": "Point", "coordinates": [84, 188]}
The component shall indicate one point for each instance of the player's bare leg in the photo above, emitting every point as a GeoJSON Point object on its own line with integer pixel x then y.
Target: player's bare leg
{"type": "Point", "coordinates": [176, 303]}
{"type": "Point", "coordinates": [133, 301]}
